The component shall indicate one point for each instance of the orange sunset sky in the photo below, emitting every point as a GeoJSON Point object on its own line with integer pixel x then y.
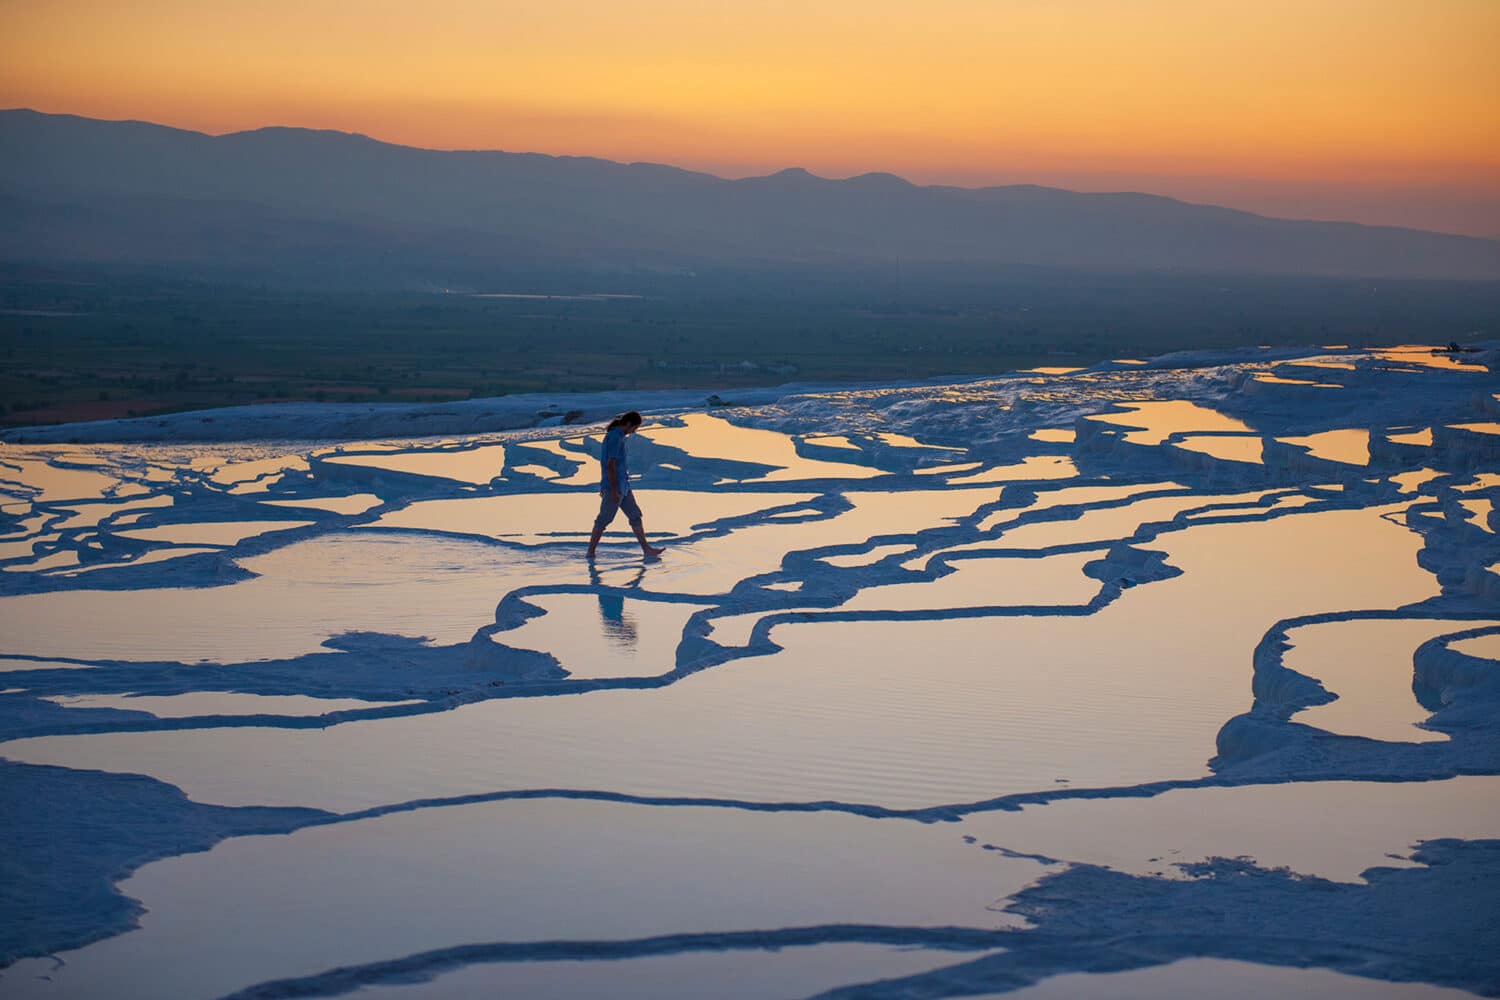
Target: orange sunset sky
{"type": "Point", "coordinates": [1373, 110]}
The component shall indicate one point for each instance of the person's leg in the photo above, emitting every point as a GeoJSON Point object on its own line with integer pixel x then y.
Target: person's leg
{"type": "Point", "coordinates": [607, 509]}
{"type": "Point", "coordinates": [646, 547]}
{"type": "Point", "coordinates": [633, 513]}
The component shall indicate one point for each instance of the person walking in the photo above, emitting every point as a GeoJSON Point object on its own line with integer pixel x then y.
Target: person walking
{"type": "Point", "coordinates": [614, 485]}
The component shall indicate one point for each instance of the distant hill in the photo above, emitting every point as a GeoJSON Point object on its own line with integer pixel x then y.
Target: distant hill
{"type": "Point", "coordinates": [301, 206]}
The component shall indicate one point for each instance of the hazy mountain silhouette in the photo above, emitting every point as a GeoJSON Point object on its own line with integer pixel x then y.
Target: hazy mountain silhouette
{"type": "Point", "coordinates": [302, 205]}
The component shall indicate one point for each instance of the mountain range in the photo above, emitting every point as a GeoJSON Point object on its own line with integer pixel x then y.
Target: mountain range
{"type": "Point", "coordinates": [319, 207]}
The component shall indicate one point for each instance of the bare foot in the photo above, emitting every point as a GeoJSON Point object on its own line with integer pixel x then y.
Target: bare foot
{"type": "Point", "coordinates": [590, 556]}
{"type": "Point", "coordinates": [652, 552]}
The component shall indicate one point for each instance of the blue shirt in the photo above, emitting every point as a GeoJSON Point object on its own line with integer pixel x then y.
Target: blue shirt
{"type": "Point", "coordinates": [614, 448]}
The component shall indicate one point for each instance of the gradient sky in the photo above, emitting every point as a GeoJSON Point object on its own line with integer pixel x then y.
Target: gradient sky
{"type": "Point", "coordinates": [1373, 110]}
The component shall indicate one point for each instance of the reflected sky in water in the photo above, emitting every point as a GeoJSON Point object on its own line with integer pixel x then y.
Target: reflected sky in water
{"type": "Point", "coordinates": [1028, 620]}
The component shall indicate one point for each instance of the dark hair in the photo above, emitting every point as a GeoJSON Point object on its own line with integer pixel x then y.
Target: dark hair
{"type": "Point", "coordinates": [629, 417]}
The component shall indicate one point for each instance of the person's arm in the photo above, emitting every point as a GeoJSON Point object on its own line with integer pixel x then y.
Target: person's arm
{"type": "Point", "coordinates": [611, 476]}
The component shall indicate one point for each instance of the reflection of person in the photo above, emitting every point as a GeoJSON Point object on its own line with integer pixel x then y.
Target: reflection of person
{"type": "Point", "coordinates": [614, 486]}
{"type": "Point", "coordinates": [619, 625]}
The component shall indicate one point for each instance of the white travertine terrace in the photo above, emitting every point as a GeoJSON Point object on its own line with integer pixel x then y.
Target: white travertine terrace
{"type": "Point", "coordinates": [936, 690]}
